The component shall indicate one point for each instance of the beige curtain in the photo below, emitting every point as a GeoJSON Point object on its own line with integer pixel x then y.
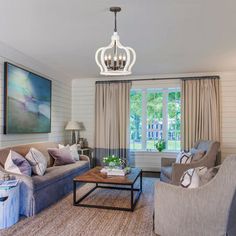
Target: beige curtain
{"type": "Point", "coordinates": [200, 110]}
{"type": "Point", "coordinates": [112, 119]}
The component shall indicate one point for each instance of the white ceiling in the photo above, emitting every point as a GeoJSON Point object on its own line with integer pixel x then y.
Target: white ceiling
{"type": "Point", "coordinates": [169, 36]}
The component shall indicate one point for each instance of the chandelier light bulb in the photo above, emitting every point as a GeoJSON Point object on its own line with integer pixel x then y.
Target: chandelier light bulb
{"type": "Point", "coordinates": [107, 57]}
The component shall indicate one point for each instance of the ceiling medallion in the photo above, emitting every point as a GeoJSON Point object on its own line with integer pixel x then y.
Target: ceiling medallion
{"type": "Point", "coordinates": [115, 59]}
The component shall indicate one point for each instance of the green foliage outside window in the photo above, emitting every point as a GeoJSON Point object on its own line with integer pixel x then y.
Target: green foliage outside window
{"type": "Point", "coordinates": [154, 106]}
{"type": "Point", "coordinates": [135, 116]}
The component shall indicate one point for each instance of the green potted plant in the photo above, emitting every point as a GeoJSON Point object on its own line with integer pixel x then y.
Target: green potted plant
{"type": "Point", "coordinates": [160, 145]}
{"type": "Point", "coordinates": [115, 163]}
{"type": "Point", "coordinates": [112, 161]}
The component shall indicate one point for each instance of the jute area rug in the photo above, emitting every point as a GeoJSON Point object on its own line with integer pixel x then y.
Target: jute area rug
{"type": "Point", "coordinates": [65, 219]}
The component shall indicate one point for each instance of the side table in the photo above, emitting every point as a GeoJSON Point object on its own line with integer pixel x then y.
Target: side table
{"type": "Point", "coordinates": [9, 206]}
{"type": "Point", "coordinates": [88, 152]}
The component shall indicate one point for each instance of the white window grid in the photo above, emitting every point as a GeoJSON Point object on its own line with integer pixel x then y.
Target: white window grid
{"type": "Point", "coordinates": [165, 92]}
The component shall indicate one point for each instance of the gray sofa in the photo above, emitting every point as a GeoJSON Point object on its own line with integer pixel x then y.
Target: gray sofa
{"type": "Point", "coordinates": [208, 210]}
{"type": "Point", "coordinates": [171, 172]}
{"type": "Point", "coordinates": [39, 192]}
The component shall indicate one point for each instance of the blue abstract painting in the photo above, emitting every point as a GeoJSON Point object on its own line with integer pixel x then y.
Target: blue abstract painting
{"type": "Point", "coordinates": [27, 101]}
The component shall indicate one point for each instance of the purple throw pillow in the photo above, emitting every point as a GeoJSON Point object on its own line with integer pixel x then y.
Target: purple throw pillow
{"type": "Point", "coordinates": [61, 156]}
{"type": "Point", "coordinates": [16, 163]}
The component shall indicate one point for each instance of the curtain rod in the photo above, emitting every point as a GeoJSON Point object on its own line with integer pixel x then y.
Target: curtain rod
{"type": "Point", "coordinates": [181, 78]}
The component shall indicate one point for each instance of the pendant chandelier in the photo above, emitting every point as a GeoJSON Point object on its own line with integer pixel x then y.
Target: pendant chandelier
{"type": "Point", "coordinates": [115, 59]}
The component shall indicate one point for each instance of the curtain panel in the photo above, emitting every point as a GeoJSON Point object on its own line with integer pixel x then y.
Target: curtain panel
{"type": "Point", "coordinates": [200, 110]}
{"type": "Point", "coordinates": [112, 109]}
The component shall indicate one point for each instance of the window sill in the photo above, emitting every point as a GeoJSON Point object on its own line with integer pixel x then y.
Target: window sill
{"type": "Point", "coordinates": [155, 152]}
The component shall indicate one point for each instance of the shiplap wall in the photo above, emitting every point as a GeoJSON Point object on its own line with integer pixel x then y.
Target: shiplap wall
{"type": "Point", "coordinates": [61, 102]}
{"type": "Point", "coordinates": [83, 106]}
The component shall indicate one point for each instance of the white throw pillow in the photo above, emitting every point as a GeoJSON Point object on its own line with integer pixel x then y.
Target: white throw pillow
{"type": "Point", "coordinates": [16, 163]}
{"type": "Point", "coordinates": [192, 177]}
{"type": "Point", "coordinates": [184, 157]}
{"type": "Point", "coordinates": [73, 150]}
{"type": "Point", "coordinates": [37, 160]}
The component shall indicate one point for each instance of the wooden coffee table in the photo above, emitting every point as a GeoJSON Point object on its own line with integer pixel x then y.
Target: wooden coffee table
{"type": "Point", "coordinates": [95, 176]}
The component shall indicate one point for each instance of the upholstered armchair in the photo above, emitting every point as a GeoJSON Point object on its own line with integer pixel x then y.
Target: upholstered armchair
{"type": "Point", "coordinates": [207, 210]}
{"type": "Point", "coordinates": [171, 172]}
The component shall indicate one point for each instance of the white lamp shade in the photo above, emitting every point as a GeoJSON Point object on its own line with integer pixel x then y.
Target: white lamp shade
{"type": "Point", "coordinates": [73, 125]}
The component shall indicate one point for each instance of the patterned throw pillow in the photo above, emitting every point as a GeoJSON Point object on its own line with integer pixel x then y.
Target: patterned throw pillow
{"type": "Point", "coordinates": [37, 160]}
{"type": "Point", "coordinates": [198, 176]}
{"type": "Point", "coordinates": [73, 151]}
{"type": "Point", "coordinates": [184, 158]}
{"type": "Point", "coordinates": [16, 163]}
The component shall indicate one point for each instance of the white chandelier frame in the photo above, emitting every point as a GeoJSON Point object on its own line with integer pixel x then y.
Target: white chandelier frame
{"type": "Point", "coordinates": [115, 44]}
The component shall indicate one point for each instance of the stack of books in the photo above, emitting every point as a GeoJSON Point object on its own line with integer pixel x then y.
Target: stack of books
{"type": "Point", "coordinates": [115, 172]}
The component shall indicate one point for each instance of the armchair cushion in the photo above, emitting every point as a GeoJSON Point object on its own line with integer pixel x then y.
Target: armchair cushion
{"type": "Point", "coordinates": [167, 171]}
{"type": "Point", "coordinates": [197, 154]}
{"type": "Point", "coordinates": [166, 161]}
{"type": "Point", "coordinates": [57, 173]}
{"type": "Point", "coordinates": [210, 174]}
{"type": "Point", "coordinates": [204, 145]}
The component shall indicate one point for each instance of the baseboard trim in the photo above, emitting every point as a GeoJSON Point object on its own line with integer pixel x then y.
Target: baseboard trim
{"type": "Point", "coordinates": [153, 174]}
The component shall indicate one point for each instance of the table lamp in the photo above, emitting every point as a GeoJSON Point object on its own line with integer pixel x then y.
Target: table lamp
{"type": "Point", "coordinates": [73, 126]}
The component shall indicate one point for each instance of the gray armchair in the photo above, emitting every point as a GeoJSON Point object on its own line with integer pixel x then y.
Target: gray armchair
{"type": "Point", "coordinates": [209, 210]}
{"type": "Point", "coordinates": [171, 172]}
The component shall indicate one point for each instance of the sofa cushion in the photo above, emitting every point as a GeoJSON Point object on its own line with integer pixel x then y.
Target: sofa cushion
{"type": "Point", "coordinates": [167, 171]}
{"type": "Point", "coordinates": [56, 173]}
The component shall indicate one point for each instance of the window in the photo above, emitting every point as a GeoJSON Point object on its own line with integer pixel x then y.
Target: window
{"type": "Point", "coordinates": [155, 114]}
